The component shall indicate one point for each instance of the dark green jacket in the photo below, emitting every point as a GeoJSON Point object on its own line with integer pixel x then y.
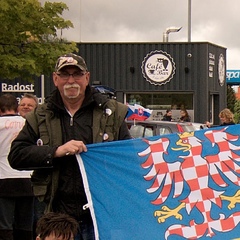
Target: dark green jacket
{"type": "Point", "coordinates": [45, 123]}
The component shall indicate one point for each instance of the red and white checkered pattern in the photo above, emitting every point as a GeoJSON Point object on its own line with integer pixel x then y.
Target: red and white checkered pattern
{"type": "Point", "coordinates": [195, 171]}
{"type": "Point", "coordinates": [195, 231]}
{"type": "Point", "coordinates": [163, 172]}
{"type": "Point", "coordinates": [224, 161]}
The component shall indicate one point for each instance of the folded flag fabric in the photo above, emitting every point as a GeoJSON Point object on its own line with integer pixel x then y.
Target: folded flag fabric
{"type": "Point", "coordinates": [176, 186]}
{"type": "Point", "coordinates": [138, 112]}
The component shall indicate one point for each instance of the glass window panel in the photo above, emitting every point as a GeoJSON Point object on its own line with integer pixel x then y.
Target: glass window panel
{"type": "Point", "coordinates": [164, 131]}
{"type": "Point", "coordinates": [148, 132]}
{"type": "Point", "coordinates": [136, 131]}
{"type": "Point", "coordinates": [158, 101]}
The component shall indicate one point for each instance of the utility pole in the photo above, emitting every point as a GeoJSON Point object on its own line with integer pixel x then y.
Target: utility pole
{"type": "Point", "coordinates": [189, 20]}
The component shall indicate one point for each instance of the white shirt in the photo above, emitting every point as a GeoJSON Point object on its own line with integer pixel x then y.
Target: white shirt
{"type": "Point", "coordinates": [10, 126]}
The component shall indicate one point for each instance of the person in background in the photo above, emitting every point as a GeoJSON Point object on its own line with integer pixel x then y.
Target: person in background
{"type": "Point", "coordinates": [184, 116]}
{"type": "Point", "coordinates": [53, 226]}
{"type": "Point", "coordinates": [27, 103]}
{"type": "Point", "coordinates": [168, 115]}
{"type": "Point", "coordinates": [74, 115]}
{"type": "Point", "coordinates": [226, 118]}
{"type": "Point", "coordinates": [207, 124]}
{"type": "Point", "coordinates": [16, 196]}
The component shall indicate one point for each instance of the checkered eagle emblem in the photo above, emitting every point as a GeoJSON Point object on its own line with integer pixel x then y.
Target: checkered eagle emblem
{"type": "Point", "coordinates": [193, 183]}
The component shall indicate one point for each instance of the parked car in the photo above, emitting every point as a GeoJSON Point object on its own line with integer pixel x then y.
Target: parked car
{"type": "Point", "coordinates": [199, 126]}
{"type": "Point", "coordinates": [149, 128]}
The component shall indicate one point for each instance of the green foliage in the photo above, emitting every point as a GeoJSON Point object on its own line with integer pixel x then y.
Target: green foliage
{"type": "Point", "coordinates": [237, 111]}
{"type": "Point", "coordinates": [231, 98]}
{"type": "Point", "coordinates": [29, 42]}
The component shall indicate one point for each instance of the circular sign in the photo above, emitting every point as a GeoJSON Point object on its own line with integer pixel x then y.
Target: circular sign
{"type": "Point", "coordinates": [158, 67]}
{"type": "Point", "coordinates": [221, 69]}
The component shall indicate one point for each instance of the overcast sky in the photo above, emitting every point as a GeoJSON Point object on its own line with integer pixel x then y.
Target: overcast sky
{"type": "Point", "coordinates": [215, 21]}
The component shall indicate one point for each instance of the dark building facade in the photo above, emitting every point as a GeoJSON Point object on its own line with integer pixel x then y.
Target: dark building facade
{"type": "Point", "coordinates": [158, 76]}
{"type": "Point", "coordinates": [162, 75]}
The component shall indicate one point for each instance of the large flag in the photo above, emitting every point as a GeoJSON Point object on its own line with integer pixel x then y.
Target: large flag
{"type": "Point", "coordinates": [177, 186]}
{"type": "Point", "coordinates": [138, 112]}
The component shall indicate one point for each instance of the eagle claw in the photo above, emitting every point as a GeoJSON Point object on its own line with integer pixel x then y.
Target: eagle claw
{"type": "Point", "coordinates": [166, 212]}
{"type": "Point", "coordinates": [232, 199]}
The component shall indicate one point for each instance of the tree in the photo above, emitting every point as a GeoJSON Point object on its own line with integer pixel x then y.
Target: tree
{"type": "Point", "coordinates": [29, 42]}
{"type": "Point", "coordinates": [237, 111]}
{"type": "Point", "coordinates": [231, 98]}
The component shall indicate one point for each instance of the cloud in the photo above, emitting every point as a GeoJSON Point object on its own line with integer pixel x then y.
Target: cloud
{"type": "Point", "coordinates": [215, 21]}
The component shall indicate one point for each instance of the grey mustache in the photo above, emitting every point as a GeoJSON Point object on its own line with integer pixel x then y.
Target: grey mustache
{"type": "Point", "coordinates": [71, 86]}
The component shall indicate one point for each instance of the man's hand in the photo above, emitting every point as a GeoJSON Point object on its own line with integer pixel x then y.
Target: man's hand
{"type": "Point", "coordinates": [70, 148]}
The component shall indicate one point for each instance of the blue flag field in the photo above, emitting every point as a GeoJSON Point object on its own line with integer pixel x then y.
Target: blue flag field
{"type": "Point", "coordinates": [177, 186]}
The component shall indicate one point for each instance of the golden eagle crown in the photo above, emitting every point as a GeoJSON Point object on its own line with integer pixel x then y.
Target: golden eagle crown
{"type": "Point", "coordinates": [186, 134]}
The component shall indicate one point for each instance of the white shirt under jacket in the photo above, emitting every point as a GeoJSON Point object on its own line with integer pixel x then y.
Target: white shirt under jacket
{"type": "Point", "coordinates": [10, 125]}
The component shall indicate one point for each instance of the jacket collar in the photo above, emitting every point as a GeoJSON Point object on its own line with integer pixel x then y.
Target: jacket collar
{"type": "Point", "coordinates": [54, 101]}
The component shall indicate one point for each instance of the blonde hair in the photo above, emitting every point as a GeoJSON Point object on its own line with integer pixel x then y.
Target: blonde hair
{"type": "Point", "coordinates": [31, 96]}
{"type": "Point", "coordinates": [226, 113]}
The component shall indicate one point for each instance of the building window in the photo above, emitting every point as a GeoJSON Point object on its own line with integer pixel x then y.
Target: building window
{"type": "Point", "coordinates": [159, 101]}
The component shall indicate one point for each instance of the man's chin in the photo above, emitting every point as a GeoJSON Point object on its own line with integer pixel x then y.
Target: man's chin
{"type": "Point", "coordinates": [72, 96]}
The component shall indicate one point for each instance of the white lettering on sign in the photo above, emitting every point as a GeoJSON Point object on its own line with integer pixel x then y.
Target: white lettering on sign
{"type": "Point", "coordinates": [40, 100]}
{"type": "Point", "coordinates": [17, 87]}
{"type": "Point", "coordinates": [211, 62]}
{"type": "Point", "coordinates": [211, 56]}
{"type": "Point", "coordinates": [233, 74]}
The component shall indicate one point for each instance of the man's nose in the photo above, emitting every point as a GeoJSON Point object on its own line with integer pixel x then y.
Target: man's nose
{"type": "Point", "coordinates": [71, 79]}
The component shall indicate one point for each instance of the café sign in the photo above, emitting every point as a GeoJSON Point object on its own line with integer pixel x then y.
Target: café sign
{"type": "Point", "coordinates": [158, 67]}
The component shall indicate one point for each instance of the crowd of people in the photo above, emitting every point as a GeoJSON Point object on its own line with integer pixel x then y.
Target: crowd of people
{"type": "Point", "coordinates": [41, 188]}
{"type": "Point", "coordinates": [226, 117]}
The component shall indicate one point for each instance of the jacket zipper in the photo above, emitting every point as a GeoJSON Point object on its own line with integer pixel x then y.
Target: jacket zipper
{"type": "Point", "coordinates": [71, 117]}
{"type": "Point", "coordinates": [71, 121]}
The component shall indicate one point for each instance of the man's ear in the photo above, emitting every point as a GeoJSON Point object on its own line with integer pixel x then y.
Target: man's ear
{"type": "Point", "coordinates": [87, 78]}
{"type": "Point", "coordinates": [38, 238]}
{"type": "Point", "coordinates": [54, 76]}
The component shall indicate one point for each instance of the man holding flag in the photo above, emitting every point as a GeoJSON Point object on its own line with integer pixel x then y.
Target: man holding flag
{"type": "Point", "coordinates": [73, 116]}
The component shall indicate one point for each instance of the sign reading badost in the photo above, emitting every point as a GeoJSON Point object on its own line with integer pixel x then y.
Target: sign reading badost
{"type": "Point", "coordinates": [17, 87]}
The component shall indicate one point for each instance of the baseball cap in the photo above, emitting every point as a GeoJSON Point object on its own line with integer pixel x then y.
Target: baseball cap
{"type": "Point", "coordinates": [70, 59]}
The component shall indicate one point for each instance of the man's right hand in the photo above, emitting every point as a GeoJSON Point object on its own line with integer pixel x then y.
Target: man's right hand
{"type": "Point", "coordinates": [70, 148]}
